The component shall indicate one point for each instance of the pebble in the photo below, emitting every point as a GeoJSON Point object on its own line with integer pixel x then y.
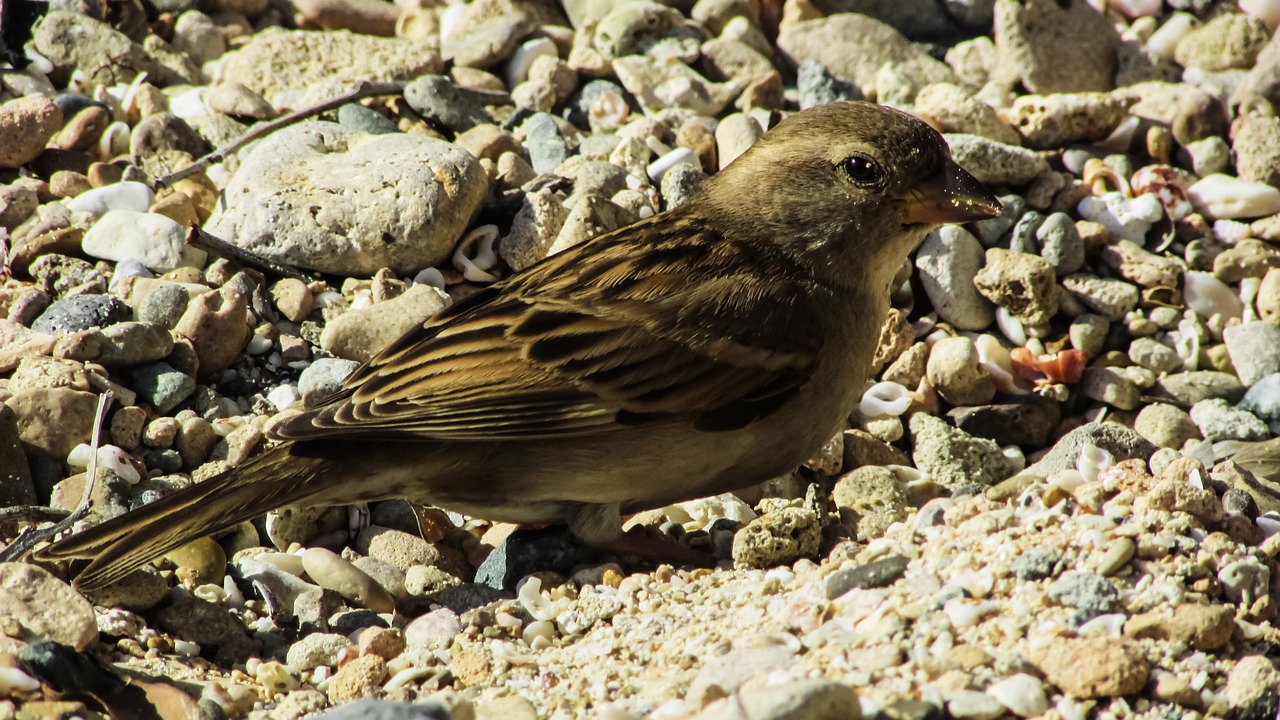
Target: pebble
{"type": "Point", "coordinates": [405, 211]}
{"type": "Point", "coordinates": [359, 334]}
{"type": "Point", "coordinates": [161, 386]}
{"type": "Point", "coordinates": [1247, 258]}
{"type": "Point", "coordinates": [869, 500]}
{"type": "Point", "coordinates": [82, 312]}
{"type": "Point", "coordinates": [1208, 156]}
{"type": "Point", "coordinates": [1111, 386]}
{"type": "Point", "coordinates": [951, 109]}
{"type": "Point", "coordinates": [948, 260]}
{"type": "Point", "coordinates": [1129, 218]}
{"type": "Point", "coordinates": [778, 537]}
{"type": "Point", "coordinates": [854, 48]}
{"type": "Point", "coordinates": [734, 134]}
{"type": "Point", "coordinates": [1023, 284]}
{"type": "Point", "coordinates": [1166, 425]}
{"type": "Point", "coordinates": [1113, 299]}
{"type": "Point", "coordinates": [1225, 42]}
{"type": "Point", "coordinates": [995, 163]}
{"type": "Point", "coordinates": [1209, 296]}
{"type": "Point", "coordinates": [1263, 399]}
{"type": "Point", "coordinates": [1189, 388]}
{"type": "Point", "coordinates": [35, 605]}
{"type": "Point", "coordinates": [1022, 694]}
{"type": "Point", "coordinates": [1223, 196]}
{"type": "Point", "coordinates": [1053, 48]}
{"type": "Point", "coordinates": [1218, 421]}
{"type": "Point", "coordinates": [547, 148]}
{"type": "Point", "coordinates": [953, 458]}
{"type": "Point", "coordinates": [1061, 244]}
{"type": "Point", "coordinates": [331, 571]}
{"type": "Point", "coordinates": [216, 324]}
{"type": "Point", "coordinates": [1094, 667]}
{"type": "Point", "coordinates": [794, 700]}
{"type": "Point", "coordinates": [27, 124]}
{"type": "Point", "coordinates": [1254, 348]}
{"type": "Point", "coordinates": [1046, 122]}
{"type": "Point", "coordinates": [154, 240]}
{"type": "Point", "coordinates": [954, 369]}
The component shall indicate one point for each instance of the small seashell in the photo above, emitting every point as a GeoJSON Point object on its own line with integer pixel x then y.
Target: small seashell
{"type": "Point", "coordinates": [476, 269]}
{"type": "Point", "coordinates": [114, 141]}
{"type": "Point", "coordinates": [1064, 368]}
{"type": "Point", "coordinates": [517, 70]}
{"type": "Point", "coordinates": [1010, 326]}
{"type": "Point", "coordinates": [1092, 460]}
{"type": "Point", "coordinates": [1129, 218]}
{"type": "Point", "coordinates": [659, 167]}
{"type": "Point", "coordinates": [994, 358]}
{"type": "Point", "coordinates": [607, 111]}
{"type": "Point", "coordinates": [885, 398]}
{"type": "Point", "coordinates": [1168, 185]}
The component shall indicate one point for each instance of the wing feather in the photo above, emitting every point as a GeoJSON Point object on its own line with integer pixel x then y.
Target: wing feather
{"type": "Point", "coordinates": [592, 340]}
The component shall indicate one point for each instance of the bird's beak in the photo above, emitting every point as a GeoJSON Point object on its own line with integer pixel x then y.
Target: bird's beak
{"type": "Point", "coordinates": [951, 196]}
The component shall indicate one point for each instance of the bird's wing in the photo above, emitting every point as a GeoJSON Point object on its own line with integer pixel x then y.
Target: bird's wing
{"type": "Point", "coordinates": [698, 329]}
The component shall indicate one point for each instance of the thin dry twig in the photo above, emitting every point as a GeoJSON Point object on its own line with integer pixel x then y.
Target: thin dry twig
{"type": "Point", "coordinates": [27, 541]}
{"type": "Point", "coordinates": [201, 239]}
{"type": "Point", "coordinates": [362, 90]}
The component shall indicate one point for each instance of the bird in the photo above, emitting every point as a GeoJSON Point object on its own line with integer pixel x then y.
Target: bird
{"type": "Point", "coordinates": [707, 348]}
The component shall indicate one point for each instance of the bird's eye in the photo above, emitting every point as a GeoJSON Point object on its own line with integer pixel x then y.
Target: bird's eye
{"type": "Point", "coordinates": [862, 169]}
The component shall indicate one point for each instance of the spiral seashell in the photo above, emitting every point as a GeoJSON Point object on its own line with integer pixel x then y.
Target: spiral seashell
{"type": "Point", "coordinates": [476, 269]}
{"type": "Point", "coordinates": [885, 398]}
{"type": "Point", "coordinates": [1168, 184]}
{"type": "Point", "coordinates": [1093, 460]}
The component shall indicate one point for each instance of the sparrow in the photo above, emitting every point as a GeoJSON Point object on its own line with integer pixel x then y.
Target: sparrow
{"type": "Point", "coordinates": [705, 349]}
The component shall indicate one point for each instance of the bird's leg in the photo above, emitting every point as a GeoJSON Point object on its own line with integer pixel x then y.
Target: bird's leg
{"type": "Point", "coordinates": [651, 544]}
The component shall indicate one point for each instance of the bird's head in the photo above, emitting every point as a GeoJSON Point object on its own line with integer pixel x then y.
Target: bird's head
{"type": "Point", "coordinates": [849, 182]}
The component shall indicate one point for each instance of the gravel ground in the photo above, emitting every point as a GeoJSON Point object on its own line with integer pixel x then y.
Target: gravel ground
{"type": "Point", "coordinates": [1061, 498]}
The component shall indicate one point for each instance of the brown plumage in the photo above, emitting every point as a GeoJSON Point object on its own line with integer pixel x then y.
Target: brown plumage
{"type": "Point", "coordinates": [705, 349]}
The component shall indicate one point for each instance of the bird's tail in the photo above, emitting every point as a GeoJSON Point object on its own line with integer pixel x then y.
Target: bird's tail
{"type": "Point", "coordinates": [282, 475]}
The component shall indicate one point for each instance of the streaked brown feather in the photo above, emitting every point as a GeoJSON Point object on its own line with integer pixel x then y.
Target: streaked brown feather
{"type": "Point", "coordinates": [590, 341]}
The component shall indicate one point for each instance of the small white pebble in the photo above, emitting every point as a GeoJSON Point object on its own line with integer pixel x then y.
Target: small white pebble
{"type": "Point", "coordinates": [1023, 694]}
{"type": "Point", "coordinates": [258, 344]}
{"type": "Point", "coordinates": [283, 396]}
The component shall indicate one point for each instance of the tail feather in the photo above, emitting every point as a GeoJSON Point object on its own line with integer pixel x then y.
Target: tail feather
{"type": "Point", "coordinates": [280, 476]}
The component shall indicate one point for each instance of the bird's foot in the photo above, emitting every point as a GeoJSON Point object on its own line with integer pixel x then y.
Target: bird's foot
{"type": "Point", "coordinates": [651, 544]}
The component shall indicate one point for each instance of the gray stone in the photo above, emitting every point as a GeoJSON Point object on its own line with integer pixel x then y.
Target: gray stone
{"type": "Point", "coordinates": [1218, 421]}
{"type": "Point", "coordinates": [1060, 243]}
{"type": "Point", "coordinates": [162, 387]}
{"type": "Point", "coordinates": [438, 98]}
{"type": "Point", "coordinates": [1254, 348]}
{"type": "Point", "coordinates": [1122, 442]}
{"type": "Point", "coordinates": [855, 48]}
{"type": "Point", "coordinates": [948, 260]}
{"type": "Point", "coordinates": [81, 313]}
{"type": "Point", "coordinates": [1090, 594]}
{"type": "Point", "coordinates": [995, 163]}
{"type": "Point", "coordinates": [322, 197]}
{"type": "Point", "coordinates": [1188, 388]}
{"type": "Point", "coordinates": [819, 87]}
{"type": "Point", "coordinates": [953, 458]}
{"type": "Point", "coordinates": [365, 120]}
